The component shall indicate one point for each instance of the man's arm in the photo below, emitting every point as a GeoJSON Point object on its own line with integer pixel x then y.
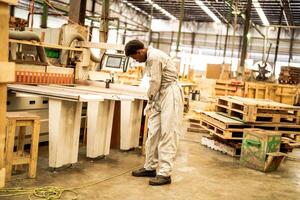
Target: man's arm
{"type": "Point", "coordinates": [155, 78]}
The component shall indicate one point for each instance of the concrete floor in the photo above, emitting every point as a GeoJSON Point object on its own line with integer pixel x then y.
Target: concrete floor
{"type": "Point", "coordinates": [200, 173]}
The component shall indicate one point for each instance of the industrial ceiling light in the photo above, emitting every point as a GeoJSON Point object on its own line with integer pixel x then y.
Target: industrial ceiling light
{"type": "Point", "coordinates": [260, 12]}
{"type": "Point", "coordinates": [162, 10]}
{"type": "Point", "coordinates": [136, 8]}
{"type": "Point", "coordinates": [208, 11]}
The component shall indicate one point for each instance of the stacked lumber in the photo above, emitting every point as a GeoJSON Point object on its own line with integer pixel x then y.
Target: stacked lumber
{"type": "Point", "coordinates": [289, 75]}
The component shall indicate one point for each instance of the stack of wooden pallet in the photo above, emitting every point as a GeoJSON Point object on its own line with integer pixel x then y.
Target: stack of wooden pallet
{"type": "Point", "coordinates": [289, 75]}
{"type": "Point", "coordinates": [233, 114]}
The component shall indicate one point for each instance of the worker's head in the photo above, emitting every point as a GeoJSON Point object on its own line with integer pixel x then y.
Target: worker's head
{"type": "Point", "coordinates": [136, 50]}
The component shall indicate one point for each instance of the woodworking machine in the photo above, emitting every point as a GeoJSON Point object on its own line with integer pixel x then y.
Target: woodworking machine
{"type": "Point", "coordinates": [58, 56]}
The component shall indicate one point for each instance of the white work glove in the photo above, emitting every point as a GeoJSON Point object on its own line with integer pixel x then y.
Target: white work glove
{"type": "Point", "coordinates": [148, 109]}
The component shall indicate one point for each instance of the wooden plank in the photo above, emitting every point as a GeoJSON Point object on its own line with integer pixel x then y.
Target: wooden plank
{"type": "Point", "coordinates": [11, 129]}
{"type": "Point", "coordinates": [131, 117]}
{"type": "Point", "coordinates": [63, 133]}
{"type": "Point", "coordinates": [11, 2]}
{"type": "Point", "coordinates": [42, 44]}
{"type": "Point", "coordinates": [101, 45]}
{"type": "Point", "coordinates": [4, 16]}
{"type": "Point", "coordinates": [20, 146]}
{"type": "Point", "coordinates": [99, 127]}
{"type": "Point", "coordinates": [56, 93]}
{"type": "Point", "coordinates": [89, 91]}
{"type": "Point", "coordinates": [7, 72]}
{"type": "Point", "coordinates": [134, 91]}
{"type": "Point", "coordinates": [34, 149]}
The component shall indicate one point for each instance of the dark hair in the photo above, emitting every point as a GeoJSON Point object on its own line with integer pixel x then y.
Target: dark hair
{"type": "Point", "coordinates": [133, 46]}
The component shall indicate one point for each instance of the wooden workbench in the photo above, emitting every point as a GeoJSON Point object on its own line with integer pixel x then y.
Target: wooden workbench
{"type": "Point", "coordinates": [65, 105]}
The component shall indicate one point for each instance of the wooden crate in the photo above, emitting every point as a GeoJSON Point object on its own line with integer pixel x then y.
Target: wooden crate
{"type": "Point", "coordinates": [277, 92]}
{"type": "Point", "coordinates": [259, 150]}
{"type": "Point", "coordinates": [258, 110]}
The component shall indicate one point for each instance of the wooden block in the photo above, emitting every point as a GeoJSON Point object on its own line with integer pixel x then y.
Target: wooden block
{"type": "Point", "coordinates": [34, 149]}
{"type": "Point", "coordinates": [131, 119]}
{"type": "Point", "coordinates": [213, 71]}
{"type": "Point", "coordinates": [99, 127]}
{"type": "Point", "coordinates": [2, 177]}
{"type": "Point", "coordinates": [7, 72]}
{"type": "Point", "coordinates": [11, 128]}
{"type": "Point", "coordinates": [20, 146]}
{"type": "Point", "coordinates": [64, 130]}
{"type": "Point", "coordinates": [11, 2]}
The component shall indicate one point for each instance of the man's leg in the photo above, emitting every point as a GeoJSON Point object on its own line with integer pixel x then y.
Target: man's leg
{"type": "Point", "coordinates": [171, 126]}
{"type": "Point", "coordinates": [151, 160]}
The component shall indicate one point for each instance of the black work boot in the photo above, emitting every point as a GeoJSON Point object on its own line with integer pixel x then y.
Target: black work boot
{"type": "Point", "coordinates": [160, 180]}
{"type": "Point", "coordinates": [144, 173]}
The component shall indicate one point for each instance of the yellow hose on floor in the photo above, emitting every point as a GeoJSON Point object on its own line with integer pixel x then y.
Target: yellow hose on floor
{"type": "Point", "coordinates": [53, 192]}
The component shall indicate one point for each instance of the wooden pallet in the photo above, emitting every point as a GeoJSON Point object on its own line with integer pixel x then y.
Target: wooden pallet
{"type": "Point", "coordinates": [276, 92]}
{"type": "Point", "coordinates": [229, 87]}
{"type": "Point", "coordinates": [258, 110]}
{"type": "Point", "coordinates": [232, 129]}
{"type": "Point", "coordinates": [222, 126]}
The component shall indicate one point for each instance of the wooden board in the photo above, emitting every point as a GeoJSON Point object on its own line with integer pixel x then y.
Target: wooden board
{"type": "Point", "coordinates": [56, 93]}
{"type": "Point", "coordinates": [11, 2]}
{"type": "Point", "coordinates": [4, 28]}
{"type": "Point", "coordinates": [99, 127]}
{"type": "Point", "coordinates": [7, 72]}
{"type": "Point", "coordinates": [42, 44]}
{"type": "Point", "coordinates": [131, 118]}
{"type": "Point", "coordinates": [101, 45]}
{"type": "Point", "coordinates": [64, 130]}
{"type": "Point", "coordinates": [213, 71]}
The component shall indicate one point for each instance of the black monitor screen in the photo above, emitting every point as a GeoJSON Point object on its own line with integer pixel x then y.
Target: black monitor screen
{"type": "Point", "coordinates": [114, 62]}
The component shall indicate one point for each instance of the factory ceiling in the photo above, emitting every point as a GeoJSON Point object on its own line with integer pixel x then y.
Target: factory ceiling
{"type": "Point", "coordinates": [264, 12]}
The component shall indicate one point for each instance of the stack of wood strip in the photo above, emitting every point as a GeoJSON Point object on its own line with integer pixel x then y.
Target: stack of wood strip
{"type": "Point", "coordinates": [289, 75]}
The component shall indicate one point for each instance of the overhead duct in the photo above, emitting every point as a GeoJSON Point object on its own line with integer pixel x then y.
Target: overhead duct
{"type": "Point", "coordinates": [72, 38]}
{"type": "Point", "coordinates": [30, 36]}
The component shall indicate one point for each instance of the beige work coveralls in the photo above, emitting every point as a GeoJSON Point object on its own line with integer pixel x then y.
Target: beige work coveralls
{"type": "Point", "coordinates": [165, 121]}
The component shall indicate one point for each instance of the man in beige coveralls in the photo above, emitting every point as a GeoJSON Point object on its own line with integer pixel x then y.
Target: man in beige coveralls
{"type": "Point", "coordinates": [165, 110]}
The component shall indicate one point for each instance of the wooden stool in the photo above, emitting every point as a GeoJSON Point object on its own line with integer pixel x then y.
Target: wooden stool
{"type": "Point", "coordinates": [21, 119]}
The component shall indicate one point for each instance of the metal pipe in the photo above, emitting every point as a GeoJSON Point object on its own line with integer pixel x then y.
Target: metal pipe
{"type": "Point", "coordinates": [278, 38]}
{"type": "Point", "coordinates": [227, 29]}
{"type": "Point", "coordinates": [291, 45]}
{"type": "Point", "coordinates": [245, 39]}
{"type": "Point", "coordinates": [30, 36]}
{"type": "Point", "coordinates": [44, 16]}
{"type": "Point", "coordinates": [180, 25]}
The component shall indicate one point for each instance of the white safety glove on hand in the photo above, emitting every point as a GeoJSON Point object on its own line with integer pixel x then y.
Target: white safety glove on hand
{"type": "Point", "coordinates": [148, 109]}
